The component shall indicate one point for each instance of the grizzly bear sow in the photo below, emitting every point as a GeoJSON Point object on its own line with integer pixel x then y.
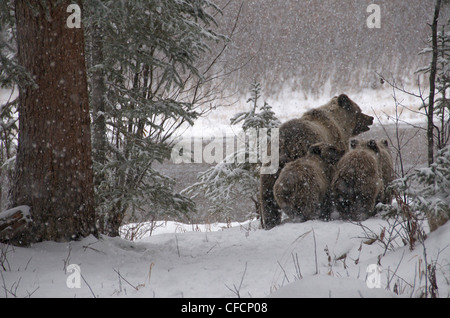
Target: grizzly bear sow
{"type": "Point", "coordinates": [333, 123]}
{"type": "Point", "coordinates": [358, 182]}
{"type": "Point", "coordinates": [302, 190]}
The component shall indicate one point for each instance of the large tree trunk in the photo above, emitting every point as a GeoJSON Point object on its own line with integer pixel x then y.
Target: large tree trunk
{"type": "Point", "coordinates": [54, 165]}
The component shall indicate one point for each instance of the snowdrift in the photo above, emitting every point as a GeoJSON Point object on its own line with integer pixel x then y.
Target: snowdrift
{"type": "Point", "coordinates": [312, 259]}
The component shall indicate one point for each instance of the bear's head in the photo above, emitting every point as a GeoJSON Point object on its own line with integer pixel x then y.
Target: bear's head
{"type": "Point", "coordinates": [362, 121]}
{"type": "Point", "coordinates": [371, 144]}
{"type": "Point", "coordinates": [383, 143]}
{"type": "Point", "coordinates": [327, 152]}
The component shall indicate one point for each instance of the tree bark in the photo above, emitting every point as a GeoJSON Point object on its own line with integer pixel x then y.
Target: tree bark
{"type": "Point", "coordinates": [54, 165]}
{"type": "Point", "coordinates": [430, 125]}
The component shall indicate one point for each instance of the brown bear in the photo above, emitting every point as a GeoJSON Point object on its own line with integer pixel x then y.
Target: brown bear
{"type": "Point", "coordinates": [358, 181]}
{"type": "Point", "coordinates": [333, 123]}
{"type": "Point", "coordinates": [302, 190]}
{"type": "Point", "coordinates": [386, 165]}
{"type": "Point", "coordinates": [387, 169]}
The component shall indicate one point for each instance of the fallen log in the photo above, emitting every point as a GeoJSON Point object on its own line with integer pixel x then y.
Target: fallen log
{"type": "Point", "coordinates": [14, 221]}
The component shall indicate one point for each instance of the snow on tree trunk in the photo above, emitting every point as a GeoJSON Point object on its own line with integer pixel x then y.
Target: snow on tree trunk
{"type": "Point", "coordinates": [54, 166]}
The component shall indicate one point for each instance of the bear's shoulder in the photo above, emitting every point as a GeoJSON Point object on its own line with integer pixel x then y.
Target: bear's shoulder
{"type": "Point", "coordinates": [321, 114]}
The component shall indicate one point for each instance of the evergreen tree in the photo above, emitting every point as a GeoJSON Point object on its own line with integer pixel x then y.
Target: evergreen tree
{"type": "Point", "coordinates": [234, 177]}
{"type": "Point", "coordinates": [432, 69]}
{"type": "Point", "coordinates": [442, 85]}
{"type": "Point", "coordinates": [145, 85]}
{"type": "Point", "coordinates": [427, 190]}
{"type": "Point", "coordinates": [10, 73]}
{"type": "Point", "coordinates": [253, 120]}
{"type": "Point", "coordinates": [441, 107]}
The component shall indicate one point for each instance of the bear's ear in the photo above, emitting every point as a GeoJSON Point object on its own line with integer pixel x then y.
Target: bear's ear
{"type": "Point", "coordinates": [354, 143]}
{"type": "Point", "coordinates": [344, 102]}
{"type": "Point", "coordinates": [385, 143]}
{"type": "Point", "coordinates": [315, 150]}
{"type": "Point", "coordinates": [372, 144]}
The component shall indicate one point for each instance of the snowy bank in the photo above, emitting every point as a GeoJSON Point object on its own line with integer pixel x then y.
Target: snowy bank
{"type": "Point", "coordinates": [312, 259]}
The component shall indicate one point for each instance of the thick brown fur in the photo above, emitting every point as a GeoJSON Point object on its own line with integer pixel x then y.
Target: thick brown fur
{"type": "Point", "coordinates": [302, 190]}
{"type": "Point", "coordinates": [358, 182]}
{"type": "Point", "coordinates": [333, 123]}
{"type": "Point", "coordinates": [386, 166]}
{"type": "Point", "coordinates": [387, 169]}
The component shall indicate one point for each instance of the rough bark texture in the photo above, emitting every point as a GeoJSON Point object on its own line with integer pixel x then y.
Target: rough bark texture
{"type": "Point", "coordinates": [54, 165]}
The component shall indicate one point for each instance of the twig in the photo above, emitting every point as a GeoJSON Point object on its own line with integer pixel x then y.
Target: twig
{"type": "Point", "coordinates": [297, 266]}
{"type": "Point", "coordinates": [17, 286]}
{"type": "Point", "coordinates": [285, 275]}
{"type": "Point", "coordinates": [315, 251]}
{"type": "Point", "coordinates": [66, 261]}
{"type": "Point", "coordinates": [120, 276]}
{"type": "Point", "coordinates": [28, 263]}
{"type": "Point", "coordinates": [237, 290]}
{"type": "Point", "coordinates": [401, 89]}
{"type": "Point", "coordinates": [3, 259]}
{"type": "Point", "coordinates": [94, 249]}
{"type": "Point", "coordinates": [31, 294]}
{"type": "Point", "coordinates": [396, 269]}
{"type": "Point", "coordinates": [92, 292]}
{"type": "Point", "coordinates": [150, 271]}
{"type": "Point", "coordinates": [178, 249]}
{"type": "Point", "coordinates": [13, 293]}
{"type": "Point", "coordinates": [4, 284]}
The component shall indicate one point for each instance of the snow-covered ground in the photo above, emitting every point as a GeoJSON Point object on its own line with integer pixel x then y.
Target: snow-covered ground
{"type": "Point", "coordinates": [312, 259]}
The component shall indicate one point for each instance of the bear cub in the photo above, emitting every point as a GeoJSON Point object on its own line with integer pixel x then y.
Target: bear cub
{"type": "Point", "coordinates": [302, 190]}
{"type": "Point", "coordinates": [361, 178]}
